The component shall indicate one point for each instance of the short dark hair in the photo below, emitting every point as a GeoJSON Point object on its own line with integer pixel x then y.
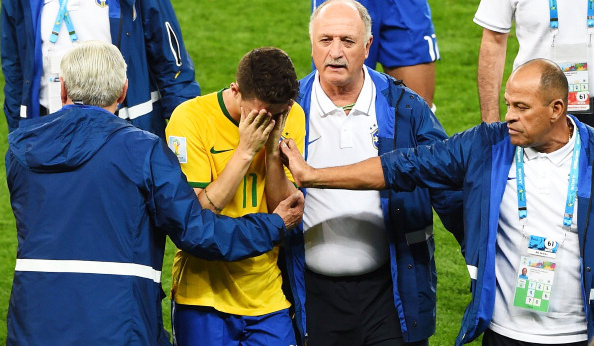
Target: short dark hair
{"type": "Point", "coordinates": [267, 74]}
{"type": "Point", "coordinates": [553, 82]}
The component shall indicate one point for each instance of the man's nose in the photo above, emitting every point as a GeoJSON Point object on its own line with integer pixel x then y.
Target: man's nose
{"type": "Point", "coordinates": [510, 115]}
{"type": "Point", "coordinates": [336, 49]}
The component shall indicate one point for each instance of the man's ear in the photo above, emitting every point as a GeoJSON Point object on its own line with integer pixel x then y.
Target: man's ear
{"type": "Point", "coordinates": [124, 92]}
{"type": "Point", "coordinates": [368, 46]}
{"type": "Point", "coordinates": [558, 109]}
{"type": "Point", "coordinates": [63, 92]}
{"type": "Point", "coordinates": [235, 89]}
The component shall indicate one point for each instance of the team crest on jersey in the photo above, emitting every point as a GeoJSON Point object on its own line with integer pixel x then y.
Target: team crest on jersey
{"type": "Point", "coordinates": [179, 148]}
{"type": "Point", "coordinates": [101, 3]}
{"type": "Point", "coordinates": [375, 137]}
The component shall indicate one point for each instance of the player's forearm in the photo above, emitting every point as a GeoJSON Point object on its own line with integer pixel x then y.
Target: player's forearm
{"type": "Point", "coordinates": [220, 192]}
{"type": "Point", "coordinates": [365, 175]}
{"type": "Point", "coordinates": [490, 73]}
{"type": "Point", "coordinates": [277, 187]}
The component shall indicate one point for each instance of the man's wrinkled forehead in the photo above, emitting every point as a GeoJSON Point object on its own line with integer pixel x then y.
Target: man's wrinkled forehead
{"type": "Point", "coordinates": [526, 78]}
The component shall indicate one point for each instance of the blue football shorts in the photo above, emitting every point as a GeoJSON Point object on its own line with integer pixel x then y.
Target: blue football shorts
{"type": "Point", "coordinates": [205, 326]}
{"type": "Point", "coordinates": [403, 33]}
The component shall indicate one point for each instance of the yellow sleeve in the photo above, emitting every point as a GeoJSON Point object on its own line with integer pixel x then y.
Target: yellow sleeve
{"type": "Point", "coordinates": [186, 136]}
{"type": "Point", "coordinates": [295, 128]}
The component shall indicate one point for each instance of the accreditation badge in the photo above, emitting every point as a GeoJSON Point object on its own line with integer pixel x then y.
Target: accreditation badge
{"type": "Point", "coordinates": [573, 60]}
{"type": "Point", "coordinates": [535, 274]}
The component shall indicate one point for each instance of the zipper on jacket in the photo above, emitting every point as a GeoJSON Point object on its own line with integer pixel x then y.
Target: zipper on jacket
{"type": "Point", "coordinates": [394, 144]}
{"type": "Point", "coordinates": [121, 28]}
{"type": "Point", "coordinates": [583, 247]}
{"type": "Point", "coordinates": [400, 83]}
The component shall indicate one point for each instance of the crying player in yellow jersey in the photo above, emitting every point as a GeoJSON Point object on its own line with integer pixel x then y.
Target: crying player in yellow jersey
{"type": "Point", "coordinates": [227, 145]}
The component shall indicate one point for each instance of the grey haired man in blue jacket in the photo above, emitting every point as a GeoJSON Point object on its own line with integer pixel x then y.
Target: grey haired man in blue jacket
{"type": "Point", "coordinates": [36, 34]}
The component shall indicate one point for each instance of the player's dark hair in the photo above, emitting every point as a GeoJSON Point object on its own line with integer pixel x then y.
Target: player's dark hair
{"type": "Point", "coordinates": [267, 74]}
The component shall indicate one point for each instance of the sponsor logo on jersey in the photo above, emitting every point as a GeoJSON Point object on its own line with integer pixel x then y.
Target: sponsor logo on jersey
{"type": "Point", "coordinates": [214, 151]}
{"type": "Point", "coordinates": [179, 148]}
{"type": "Point", "coordinates": [310, 142]}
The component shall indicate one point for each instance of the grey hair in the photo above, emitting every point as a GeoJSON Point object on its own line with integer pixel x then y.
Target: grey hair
{"type": "Point", "coordinates": [363, 13]}
{"type": "Point", "coordinates": [94, 73]}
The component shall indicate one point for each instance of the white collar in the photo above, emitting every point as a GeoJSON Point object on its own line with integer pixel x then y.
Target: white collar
{"type": "Point", "coordinates": [326, 107]}
{"type": "Point", "coordinates": [558, 156]}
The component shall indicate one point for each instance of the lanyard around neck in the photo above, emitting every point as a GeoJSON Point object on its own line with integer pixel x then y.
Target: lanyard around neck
{"type": "Point", "coordinates": [63, 15]}
{"type": "Point", "coordinates": [571, 189]}
{"type": "Point", "coordinates": [554, 15]}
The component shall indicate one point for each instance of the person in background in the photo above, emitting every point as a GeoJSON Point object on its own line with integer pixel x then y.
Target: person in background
{"type": "Point", "coordinates": [36, 34]}
{"type": "Point", "coordinates": [558, 30]}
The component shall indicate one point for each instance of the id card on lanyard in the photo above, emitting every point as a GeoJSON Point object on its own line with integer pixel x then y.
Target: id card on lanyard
{"type": "Point", "coordinates": [573, 60]}
{"type": "Point", "coordinates": [54, 89]}
{"type": "Point", "coordinates": [540, 257]}
{"type": "Point", "coordinates": [536, 272]}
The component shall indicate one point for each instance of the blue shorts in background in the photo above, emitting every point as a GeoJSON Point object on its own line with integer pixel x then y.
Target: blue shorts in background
{"type": "Point", "coordinates": [403, 33]}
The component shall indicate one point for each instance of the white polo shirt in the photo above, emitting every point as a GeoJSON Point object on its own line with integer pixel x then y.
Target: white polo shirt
{"type": "Point", "coordinates": [344, 230]}
{"type": "Point", "coordinates": [533, 31]}
{"type": "Point", "coordinates": [547, 180]}
{"type": "Point", "coordinates": [90, 19]}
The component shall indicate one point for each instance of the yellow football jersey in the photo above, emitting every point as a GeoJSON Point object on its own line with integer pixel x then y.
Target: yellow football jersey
{"type": "Point", "coordinates": [204, 136]}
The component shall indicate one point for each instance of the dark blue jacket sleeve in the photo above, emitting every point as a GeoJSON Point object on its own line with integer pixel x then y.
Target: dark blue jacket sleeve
{"type": "Point", "coordinates": [428, 128]}
{"type": "Point", "coordinates": [12, 14]}
{"type": "Point", "coordinates": [440, 165]}
{"type": "Point", "coordinates": [170, 63]}
{"type": "Point", "coordinates": [177, 211]}
{"type": "Point", "coordinates": [446, 203]}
